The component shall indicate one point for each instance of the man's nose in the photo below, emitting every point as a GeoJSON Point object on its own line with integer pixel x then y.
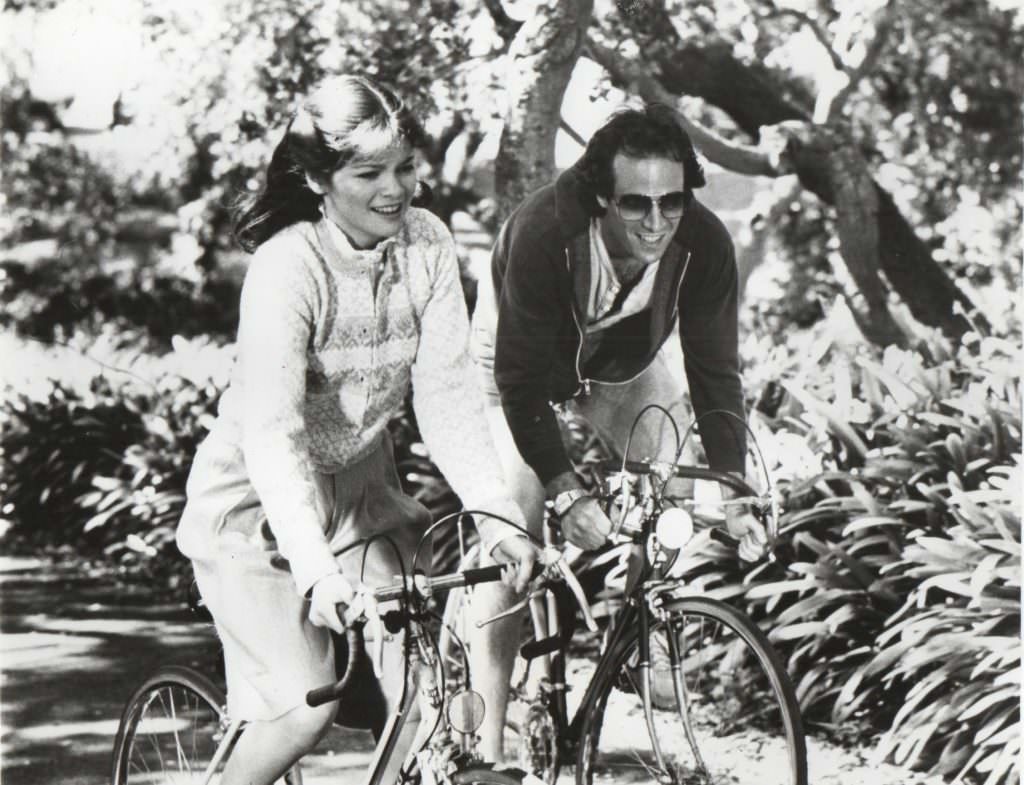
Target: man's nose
{"type": "Point", "coordinates": [654, 220]}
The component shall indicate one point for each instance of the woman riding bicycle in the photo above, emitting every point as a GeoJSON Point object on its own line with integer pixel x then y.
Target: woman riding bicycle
{"type": "Point", "coordinates": [352, 295]}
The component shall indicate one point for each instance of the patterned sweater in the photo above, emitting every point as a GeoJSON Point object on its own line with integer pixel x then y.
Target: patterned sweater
{"type": "Point", "coordinates": [325, 357]}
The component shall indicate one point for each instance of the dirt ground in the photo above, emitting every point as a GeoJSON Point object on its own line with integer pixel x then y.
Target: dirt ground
{"type": "Point", "coordinates": [73, 649]}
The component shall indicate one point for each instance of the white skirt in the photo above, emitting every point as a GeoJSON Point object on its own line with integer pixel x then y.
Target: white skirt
{"type": "Point", "coordinates": [272, 654]}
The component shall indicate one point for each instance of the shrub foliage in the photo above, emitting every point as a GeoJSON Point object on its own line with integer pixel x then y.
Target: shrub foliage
{"type": "Point", "coordinates": [895, 592]}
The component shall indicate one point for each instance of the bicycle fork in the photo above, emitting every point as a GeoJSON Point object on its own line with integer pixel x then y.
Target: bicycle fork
{"type": "Point", "coordinates": [646, 686]}
{"type": "Point", "coordinates": [682, 694]}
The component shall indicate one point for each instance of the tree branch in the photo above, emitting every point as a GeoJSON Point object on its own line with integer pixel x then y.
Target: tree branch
{"type": "Point", "coordinates": [627, 73]}
{"type": "Point", "coordinates": [817, 30]}
{"type": "Point", "coordinates": [883, 25]}
{"type": "Point", "coordinates": [506, 26]}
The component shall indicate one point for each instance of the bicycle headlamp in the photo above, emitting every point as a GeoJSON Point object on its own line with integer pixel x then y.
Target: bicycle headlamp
{"type": "Point", "coordinates": [674, 528]}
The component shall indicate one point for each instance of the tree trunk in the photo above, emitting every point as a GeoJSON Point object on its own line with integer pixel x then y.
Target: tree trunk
{"type": "Point", "coordinates": [541, 59]}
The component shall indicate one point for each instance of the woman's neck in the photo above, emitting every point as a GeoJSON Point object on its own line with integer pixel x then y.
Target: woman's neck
{"type": "Point", "coordinates": [358, 245]}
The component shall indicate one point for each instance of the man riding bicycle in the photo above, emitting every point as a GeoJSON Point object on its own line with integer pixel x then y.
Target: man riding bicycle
{"type": "Point", "coordinates": [591, 276]}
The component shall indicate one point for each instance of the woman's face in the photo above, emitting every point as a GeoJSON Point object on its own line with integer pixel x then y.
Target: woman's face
{"type": "Point", "coordinates": [368, 196]}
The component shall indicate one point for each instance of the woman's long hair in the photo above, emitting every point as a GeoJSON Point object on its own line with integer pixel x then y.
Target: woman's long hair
{"type": "Point", "coordinates": [346, 115]}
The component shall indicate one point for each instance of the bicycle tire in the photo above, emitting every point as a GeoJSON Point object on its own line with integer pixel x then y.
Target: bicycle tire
{"type": "Point", "coordinates": [169, 730]}
{"type": "Point", "coordinates": [744, 717]}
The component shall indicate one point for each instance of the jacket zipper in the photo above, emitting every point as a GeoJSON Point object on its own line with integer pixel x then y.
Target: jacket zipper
{"type": "Point", "coordinates": [586, 383]}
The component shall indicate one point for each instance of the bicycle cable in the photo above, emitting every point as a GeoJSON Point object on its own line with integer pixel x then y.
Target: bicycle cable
{"type": "Point", "coordinates": [636, 422]}
{"type": "Point", "coordinates": [770, 487]}
{"type": "Point", "coordinates": [406, 602]}
{"type": "Point", "coordinates": [458, 513]}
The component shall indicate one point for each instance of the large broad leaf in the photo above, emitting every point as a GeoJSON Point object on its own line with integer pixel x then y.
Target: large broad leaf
{"type": "Point", "coordinates": [987, 701]}
{"type": "Point", "coordinates": [955, 583]}
{"type": "Point", "coordinates": [939, 550]}
{"type": "Point", "coordinates": [844, 432]}
{"type": "Point", "coordinates": [809, 606]}
{"type": "Point", "coordinates": [102, 518]}
{"type": "Point", "coordinates": [902, 393]}
{"type": "Point", "coordinates": [764, 590]}
{"type": "Point", "coordinates": [797, 631]}
{"type": "Point", "coordinates": [998, 721]}
{"type": "Point", "coordinates": [873, 521]}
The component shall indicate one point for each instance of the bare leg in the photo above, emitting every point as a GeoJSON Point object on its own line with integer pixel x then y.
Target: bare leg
{"type": "Point", "coordinates": [266, 750]}
{"type": "Point", "coordinates": [492, 650]}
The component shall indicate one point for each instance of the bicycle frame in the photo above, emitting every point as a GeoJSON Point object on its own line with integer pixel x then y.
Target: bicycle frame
{"type": "Point", "coordinates": [634, 613]}
{"type": "Point", "coordinates": [568, 729]}
{"type": "Point", "coordinates": [396, 722]}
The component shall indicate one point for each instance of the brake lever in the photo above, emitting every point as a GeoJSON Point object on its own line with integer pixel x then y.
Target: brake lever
{"type": "Point", "coordinates": [554, 559]}
{"type": "Point", "coordinates": [519, 606]}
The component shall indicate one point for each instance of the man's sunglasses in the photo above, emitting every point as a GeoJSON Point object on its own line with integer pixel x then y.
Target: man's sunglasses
{"type": "Point", "coordinates": [633, 207]}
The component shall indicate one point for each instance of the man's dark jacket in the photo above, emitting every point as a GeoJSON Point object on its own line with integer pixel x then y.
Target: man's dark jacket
{"type": "Point", "coordinates": [541, 270]}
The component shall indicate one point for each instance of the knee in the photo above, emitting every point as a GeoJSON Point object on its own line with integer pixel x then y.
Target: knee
{"type": "Point", "coordinates": [307, 725]}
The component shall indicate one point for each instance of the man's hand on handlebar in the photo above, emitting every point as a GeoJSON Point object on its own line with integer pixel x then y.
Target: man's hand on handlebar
{"type": "Point", "coordinates": [328, 593]}
{"type": "Point", "coordinates": [585, 525]}
{"type": "Point", "coordinates": [743, 526]}
{"type": "Point", "coordinates": [522, 553]}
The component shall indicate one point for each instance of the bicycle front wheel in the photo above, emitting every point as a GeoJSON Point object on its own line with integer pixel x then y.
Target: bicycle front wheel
{"type": "Point", "coordinates": [722, 708]}
{"type": "Point", "coordinates": [172, 730]}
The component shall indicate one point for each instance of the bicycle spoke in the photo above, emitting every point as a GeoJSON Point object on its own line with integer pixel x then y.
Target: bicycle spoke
{"type": "Point", "coordinates": [172, 736]}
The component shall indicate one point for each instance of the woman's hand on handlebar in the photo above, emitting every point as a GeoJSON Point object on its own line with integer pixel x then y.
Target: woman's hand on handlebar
{"type": "Point", "coordinates": [328, 593]}
{"type": "Point", "coordinates": [522, 553]}
{"type": "Point", "coordinates": [585, 525]}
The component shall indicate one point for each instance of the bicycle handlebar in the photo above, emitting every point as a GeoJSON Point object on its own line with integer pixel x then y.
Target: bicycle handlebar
{"type": "Point", "coordinates": [737, 484]}
{"type": "Point", "coordinates": [764, 503]}
{"type": "Point", "coordinates": [422, 586]}
{"type": "Point", "coordinates": [356, 650]}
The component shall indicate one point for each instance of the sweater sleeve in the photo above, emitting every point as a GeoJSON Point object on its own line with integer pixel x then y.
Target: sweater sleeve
{"type": "Point", "coordinates": [275, 324]}
{"type": "Point", "coordinates": [447, 398]}
{"type": "Point", "coordinates": [709, 333]}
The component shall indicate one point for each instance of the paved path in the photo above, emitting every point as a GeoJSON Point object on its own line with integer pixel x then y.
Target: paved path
{"type": "Point", "coordinates": [71, 652]}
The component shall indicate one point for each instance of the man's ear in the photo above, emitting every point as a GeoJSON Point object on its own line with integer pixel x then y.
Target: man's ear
{"type": "Point", "coordinates": [601, 201]}
{"type": "Point", "coordinates": [315, 185]}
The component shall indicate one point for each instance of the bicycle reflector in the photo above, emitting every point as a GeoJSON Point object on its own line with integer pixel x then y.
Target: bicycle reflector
{"type": "Point", "coordinates": [674, 528]}
{"type": "Point", "coordinates": [466, 711]}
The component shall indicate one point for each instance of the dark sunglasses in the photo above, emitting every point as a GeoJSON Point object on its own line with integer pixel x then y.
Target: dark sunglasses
{"type": "Point", "coordinates": [633, 207]}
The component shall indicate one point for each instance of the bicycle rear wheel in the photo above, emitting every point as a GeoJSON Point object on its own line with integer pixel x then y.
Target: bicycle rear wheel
{"type": "Point", "coordinates": [727, 715]}
{"type": "Point", "coordinates": [170, 731]}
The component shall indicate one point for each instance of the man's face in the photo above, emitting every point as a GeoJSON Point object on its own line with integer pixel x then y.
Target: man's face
{"type": "Point", "coordinates": [644, 237]}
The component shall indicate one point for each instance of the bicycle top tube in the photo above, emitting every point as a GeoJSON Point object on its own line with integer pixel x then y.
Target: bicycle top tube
{"type": "Point", "coordinates": [738, 484]}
